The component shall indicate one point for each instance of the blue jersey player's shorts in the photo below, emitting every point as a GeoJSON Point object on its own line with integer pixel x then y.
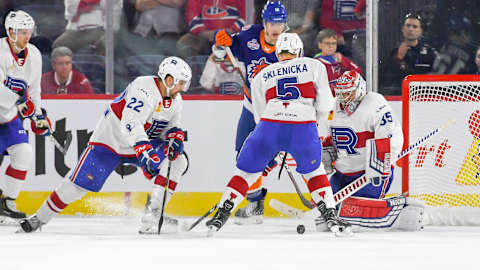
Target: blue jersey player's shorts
{"type": "Point", "coordinates": [12, 133]}
{"type": "Point", "coordinates": [269, 138]}
{"type": "Point", "coordinates": [97, 163]}
{"type": "Point", "coordinates": [339, 181]}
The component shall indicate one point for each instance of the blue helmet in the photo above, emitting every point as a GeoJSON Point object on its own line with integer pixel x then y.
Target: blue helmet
{"type": "Point", "coordinates": [274, 12]}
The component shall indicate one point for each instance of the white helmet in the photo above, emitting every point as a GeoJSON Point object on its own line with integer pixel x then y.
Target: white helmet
{"type": "Point", "coordinates": [289, 42]}
{"type": "Point", "coordinates": [347, 83]}
{"type": "Point", "coordinates": [178, 69]}
{"type": "Point", "coordinates": [18, 20]}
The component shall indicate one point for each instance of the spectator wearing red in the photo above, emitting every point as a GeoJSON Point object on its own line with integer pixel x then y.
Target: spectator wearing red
{"type": "Point", "coordinates": [204, 18]}
{"type": "Point", "coordinates": [63, 79]}
{"type": "Point", "coordinates": [335, 62]}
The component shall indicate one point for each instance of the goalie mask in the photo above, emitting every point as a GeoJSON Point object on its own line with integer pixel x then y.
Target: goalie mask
{"type": "Point", "coordinates": [289, 42]}
{"type": "Point", "coordinates": [178, 69]}
{"type": "Point", "coordinates": [17, 20]}
{"type": "Point", "coordinates": [350, 89]}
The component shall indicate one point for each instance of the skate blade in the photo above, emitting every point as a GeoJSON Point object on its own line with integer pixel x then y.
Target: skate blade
{"type": "Point", "coordinates": [249, 220]}
{"type": "Point", "coordinates": [338, 232]}
{"type": "Point", "coordinates": [211, 231]}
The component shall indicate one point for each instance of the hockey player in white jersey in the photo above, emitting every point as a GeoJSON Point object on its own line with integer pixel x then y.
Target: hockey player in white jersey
{"type": "Point", "coordinates": [20, 75]}
{"type": "Point", "coordinates": [365, 137]}
{"type": "Point", "coordinates": [139, 127]}
{"type": "Point", "coordinates": [289, 98]}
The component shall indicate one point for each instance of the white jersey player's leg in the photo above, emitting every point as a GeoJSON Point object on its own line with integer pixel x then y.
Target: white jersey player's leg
{"type": "Point", "coordinates": [20, 161]}
{"type": "Point", "coordinates": [149, 221]}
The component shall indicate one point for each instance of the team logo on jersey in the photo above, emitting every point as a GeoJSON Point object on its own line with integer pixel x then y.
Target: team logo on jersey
{"type": "Point", "coordinates": [156, 128]}
{"type": "Point", "coordinates": [344, 10]}
{"type": "Point", "coordinates": [256, 66]}
{"type": "Point", "coordinates": [14, 84]}
{"type": "Point", "coordinates": [253, 44]}
{"type": "Point", "coordinates": [215, 11]}
{"type": "Point", "coordinates": [345, 139]}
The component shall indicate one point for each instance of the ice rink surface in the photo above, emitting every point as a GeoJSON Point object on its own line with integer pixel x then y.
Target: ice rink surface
{"type": "Point", "coordinates": [114, 243]}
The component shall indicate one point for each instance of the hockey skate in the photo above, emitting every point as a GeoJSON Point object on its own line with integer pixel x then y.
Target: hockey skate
{"type": "Point", "coordinates": [329, 220]}
{"type": "Point", "coordinates": [149, 222]}
{"type": "Point", "coordinates": [253, 212]}
{"type": "Point", "coordinates": [8, 211]}
{"type": "Point", "coordinates": [221, 216]}
{"type": "Point", "coordinates": [30, 224]}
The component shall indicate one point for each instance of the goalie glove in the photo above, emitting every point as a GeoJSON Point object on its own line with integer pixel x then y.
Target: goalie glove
{"type": "Point", "coordinates": [329, 155]}
{"type": "Point", "coordinates": [147, 159]}
{"type": "Point", "coordinates": [25, 107]}
{"type": "Point", "coordinates": [41, 124]}
{"type": "Point", "coordinates": [175, 137]}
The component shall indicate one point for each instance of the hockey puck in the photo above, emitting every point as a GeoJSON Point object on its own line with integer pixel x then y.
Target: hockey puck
{"type": "Point", "coordinates": [300, 229]}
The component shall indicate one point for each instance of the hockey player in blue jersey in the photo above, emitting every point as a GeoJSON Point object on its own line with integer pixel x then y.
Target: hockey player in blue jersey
{"type": "Point", "coordinates": [255, 47]}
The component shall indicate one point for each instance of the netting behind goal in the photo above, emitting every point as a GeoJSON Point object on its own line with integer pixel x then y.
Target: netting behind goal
{"type": "Point", "coordinates": [444, 172]}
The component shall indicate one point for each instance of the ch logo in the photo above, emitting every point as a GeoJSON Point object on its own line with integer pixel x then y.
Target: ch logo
{"type": "Point", "coordinates": [345, 138]}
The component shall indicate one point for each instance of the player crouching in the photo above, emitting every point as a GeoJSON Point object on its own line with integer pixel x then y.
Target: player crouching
{"type": "Point", "coordinates": [365, 137]}
{"type": "Point", "coordinates": [288, 98]}
{"type": "Point", "coordinates": [140, 127]}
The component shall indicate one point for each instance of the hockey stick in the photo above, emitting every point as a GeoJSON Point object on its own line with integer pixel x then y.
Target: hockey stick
{"type": "Point", "coordinates": [297, 189]}
{"type": "Point", "coordinates": [62, 148]}
{"type": "Point", "coordinates": [202, 218]}
{"type": "Point", "coordinates": [281, 166]}
{"type": "Point", "coordinates": [235, 64]}
{"type": "Point", "coordinates": [165, 191]}
{"type": "Point", "coordinates": [362, 181]}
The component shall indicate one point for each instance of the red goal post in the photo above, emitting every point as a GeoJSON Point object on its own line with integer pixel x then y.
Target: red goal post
{"type": "Point", "coordinates": [444, 172]}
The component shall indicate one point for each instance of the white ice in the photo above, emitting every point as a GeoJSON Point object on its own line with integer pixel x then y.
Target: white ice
{"type": "Point", "coordinates": [113, 243]}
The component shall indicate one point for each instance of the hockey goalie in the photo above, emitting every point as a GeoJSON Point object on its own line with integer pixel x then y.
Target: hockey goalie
{"type": "Point", "coordinates": [364, 139]}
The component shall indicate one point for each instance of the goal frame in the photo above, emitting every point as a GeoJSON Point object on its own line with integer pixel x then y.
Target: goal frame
{"type": "Point", "coordinates": [406, 112]}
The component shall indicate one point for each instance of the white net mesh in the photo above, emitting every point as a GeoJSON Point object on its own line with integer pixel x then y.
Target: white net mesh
{"type": "Point", "coordinates": [445, 172]}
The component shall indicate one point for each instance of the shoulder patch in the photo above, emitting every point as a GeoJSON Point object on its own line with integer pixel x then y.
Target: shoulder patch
{"type": "Point", "coordinates": [253, 44]}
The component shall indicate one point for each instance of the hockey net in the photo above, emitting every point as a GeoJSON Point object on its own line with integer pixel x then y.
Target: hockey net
{"type": "Point", "coordinates": [445, 171]}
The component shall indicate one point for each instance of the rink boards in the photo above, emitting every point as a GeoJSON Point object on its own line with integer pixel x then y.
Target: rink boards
{"type": "Point", "coordinates": [211, 126]}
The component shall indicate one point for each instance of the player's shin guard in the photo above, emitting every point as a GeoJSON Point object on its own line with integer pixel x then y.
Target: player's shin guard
{"type": "Point", "coordinates": [13, 184]}
{"type": "Point", "coordinates": [65, 194]}
{"type": "Point", "coordinates": [149, 221]}
{"type": "Point", "coordinates": [322, 195]}
{"type": "Point", "coordinates": [236, 191]}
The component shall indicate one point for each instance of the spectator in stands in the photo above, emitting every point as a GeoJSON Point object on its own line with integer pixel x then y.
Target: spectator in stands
{"type": "Point", "coordinates": [476, 67]}
{"type": "Point", "coordinates": [86, 23]}
{"type": "Point", "coordinates": [335, 62]}
{"type": "Point", "coordinates": [220, 77]}
{"type": "Point", "coordinates": [204, 18]}
{"type": "Point", "coordinates": [301, 14]}
{"type": "Point", "coordinates": [63, 79]}
{"type": "Point", "coordinates": [413, 56]}
{"type": "Point", "coordinates": [161, 20]}
{"type": "Point", "coordinates": [458, 52]}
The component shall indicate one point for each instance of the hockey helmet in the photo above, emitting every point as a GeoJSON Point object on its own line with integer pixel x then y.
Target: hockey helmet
{"type": "Point", "coordinates": [349, 82]}
{"type": "Point", "coordinates": [274, 12]}
{"type": "Point", "coordinates": [178, 69]}
{"type": "Point", "coordinates": [289, 42]}
{"type": "Point", "coordinates": [18, 20]}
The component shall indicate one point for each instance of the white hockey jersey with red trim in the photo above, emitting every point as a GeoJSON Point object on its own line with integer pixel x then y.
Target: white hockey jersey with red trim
{"type": "Point", "coordinates": [17, 75]}
{"type": "Point", "coordinates": [373, 119]}
{"type": "Point", "coordinates": [140, 113]}
{"type": "Point", "coordinates": [292, 91]}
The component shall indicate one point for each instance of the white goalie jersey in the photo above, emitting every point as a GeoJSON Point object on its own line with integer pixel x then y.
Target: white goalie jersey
{"type": "Point", "coordinates": [373, 119]}
{"type": "Point", "coordinates": [17, 75]}
{"type": "Point", "coordinates": [293, 91]}
{"type": "Point", "coordinates": [140, 113]}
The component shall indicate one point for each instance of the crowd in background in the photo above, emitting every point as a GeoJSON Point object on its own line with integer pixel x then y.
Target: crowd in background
{"type": "Point", "coordinates": [415, 37]}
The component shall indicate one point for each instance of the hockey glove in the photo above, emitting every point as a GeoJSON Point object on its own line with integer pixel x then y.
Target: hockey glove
{"type": "Point", "coordinates": [147, 158]}
{"type": "Point", "coordinates": [25, 107]}
{"type": "Point", "coordinates": [223, 38]}
{"type": "Point", "coordinates": [41, 124]}
{"type": "Point", "coordinates": [270, 166]}
{"type": "Point", "coordinates": [174, 148]}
